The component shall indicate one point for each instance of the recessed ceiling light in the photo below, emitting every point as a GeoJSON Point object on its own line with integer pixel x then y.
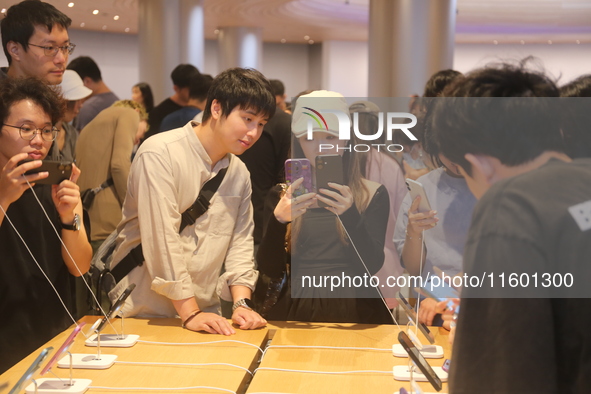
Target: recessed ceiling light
{"type": "Point", "coordinates": [283, 40]}
{"type": "Point", "coordinates": [306, 38]}
{"type": "Point", "coordinates": [104, 27]}
{"type": "Point", "coordinates": [549, 42]}
{"type": "Point", "coordinates": [70, 5]}
{"type": "Point", "coordinates": [95, 12]}
{"type": "Point", "coordinates": [522, 42]}
{"type": "Point", "coordinates": [495, 42]}
{"type": "Point", "coordinates": [116, 18]}
{"type": "Point", "coordinates": [127, 29]}
{"type": "Point", "coordinates": [216, 31]}
{"type": "Point", "coordinates": [311, 42]}
{"type": "Point", "coordinates": [578, 41]}
{"type": "Point", "coordinates": [3, 10]}
{"type": "Point", "coordinates": [82, 24]}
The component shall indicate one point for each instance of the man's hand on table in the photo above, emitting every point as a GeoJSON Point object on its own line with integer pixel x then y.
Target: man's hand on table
{"type": "Point", "coordinates": [247, 319]}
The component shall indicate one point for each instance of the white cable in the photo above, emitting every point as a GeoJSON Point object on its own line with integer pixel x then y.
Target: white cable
{"type": "Point", "coordinates": [367, 270]}
{"type": "Point", "coordinates": [162, 388]}
{"type": "Point", "coordinates": [69, 255]}
{"type": "Point", "coordinates": [319, 372]}
{"type": "Point", "coordinates": [183, 364]}
{"type": "Point", "coordinates": [200, 343]}
{"type": "Point", "coordinates": [38, 265]}
{"type": "Point", "coordinates": [418, 306]}
{"type": "Point", "coordinates": [324, 347]}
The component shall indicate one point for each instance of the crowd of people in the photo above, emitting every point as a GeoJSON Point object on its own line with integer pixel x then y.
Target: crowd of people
{"type": "Point", "coordinates": [195, 188]}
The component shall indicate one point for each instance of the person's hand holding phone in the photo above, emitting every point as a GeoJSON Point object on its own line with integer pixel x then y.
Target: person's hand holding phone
{"type": "Point", "coordinates": [428, 310]}
{"type": "Point", "coordinates": [291, 207]}
{"type": "Point", "coordinates": [13, 182]}
{"type": "Point", "coordinates": [339, 201]}
{"type": "Point", "coordinates": [419, 221]}
{"type": "Point", "coordinates": [66, 196]}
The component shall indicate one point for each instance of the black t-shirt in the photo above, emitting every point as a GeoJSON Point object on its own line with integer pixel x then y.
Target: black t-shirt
{"type": "Point", "coordinates": [30, 311]}
{"type": "Point", "coordinates": [542, 343]}
{"type": "Point", "coordinates": [265, 162]}
{"type": "Point", "coordinates": [158, 114]}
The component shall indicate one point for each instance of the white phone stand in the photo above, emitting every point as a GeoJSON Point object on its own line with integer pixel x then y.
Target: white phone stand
{"type": "Point", "coordinates": [403, 373]}
{"type": "Point", "coordinates": [89, 361]}
{"type": "Point", "coordinates": [113, 340]}
{"type": "Point", "coordinates": [59, 386]}
{"type": "Point", "coordinates": [428, 351]}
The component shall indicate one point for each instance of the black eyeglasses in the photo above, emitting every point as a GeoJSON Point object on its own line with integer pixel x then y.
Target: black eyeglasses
{"type": "Point", "coordinates": [52, 50]}
{"type": "Point", "coordinates": [28, 132]}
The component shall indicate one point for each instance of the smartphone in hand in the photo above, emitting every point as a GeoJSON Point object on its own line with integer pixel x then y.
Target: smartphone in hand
{"type": "Point", "coordinates": [416, 189]}
{"type": "Point", "coordinates": [329, 168]}
{"type": "Point", "coordinates": [296, 169]}
{"type": "Point", "coordinates": [58, 171]}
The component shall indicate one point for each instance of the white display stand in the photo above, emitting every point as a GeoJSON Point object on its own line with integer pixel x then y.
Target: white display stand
{"type": "Point", "coordinates": [402, 373]}
{"type": "Point", "coordinates": [57, 386]}
{"type": "Point", "coordinates": [88, 361]}
{"type": "Point", "coordinates": [113, 340]}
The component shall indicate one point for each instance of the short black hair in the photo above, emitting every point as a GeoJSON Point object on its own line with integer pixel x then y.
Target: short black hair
{"type": "Point", "coordinates": [199, 86]}
{"type": "Point", "coordinates": [277, 87]}
{"type": "Point", "coordinates": [240, 87]}
{"type": "Point", "coordinates": [580, 87]}
{"type": "Point", "coordinates": [21, 19]}
{"type": "Point", "coordinates": [438, 81]}
{"type": "Point", "coordinates": [147, 95]}
{"type": "Point", "coordinates": [86, 67]}
{"type": "Point", "coordinates": [13, 90]}
{"type": "Point", "coordinates": [475, 115]}
{"type": "Point", "coordinates": [181, 75]}
{"type": "Point", "coordinates": [576, 125]}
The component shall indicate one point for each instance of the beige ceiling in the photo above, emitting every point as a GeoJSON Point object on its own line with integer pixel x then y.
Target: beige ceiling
{"type": "Point", "coordinates": [503, 21]}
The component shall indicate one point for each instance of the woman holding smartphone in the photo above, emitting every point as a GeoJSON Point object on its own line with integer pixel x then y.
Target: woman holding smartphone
{"type": "Point", "coordinates": [322, 245]}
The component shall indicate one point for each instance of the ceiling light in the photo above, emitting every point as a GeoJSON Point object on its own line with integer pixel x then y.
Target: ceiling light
{"type": "Point", "coordinates": [70, 5]}
{"type": "Point", "coordinates": [283, 40]}
{"type": "Point", "coordinates": [216, 31]}
{"type": "Point", "coordinates": [116, 18]}
{"type": "Point", "coordinates": [127, 29]}
{"type": "Point", "coordinates": [3, 10]}
{"type": "Point", "coordinates": [306, 38]}
{"type": "Point", "coordinates": [311, 42]}
{"type": "Point", "coordinates": [82, 24]}
{"type": "Point", "coordinates": [522, 42]}
{"type": "Point", "coordinates": [495, 42]}
{"type": "Point", "coordinates": [95, 12]}
{"type": "Point", "coordinates": [104, 27]}
{"type": "Point", "coordinates": [549, 42]}
{"type": "Point", "coordinates": [578, 41]}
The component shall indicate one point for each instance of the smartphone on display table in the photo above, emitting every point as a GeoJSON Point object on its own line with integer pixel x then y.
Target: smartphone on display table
{"type": "Point", "coordinates": [116, 307]}
{"type": "Point", "coordinates": [416, 189]}
{"type": "Point", "coordinates": [31, 370]}
{"type": "Point", "coordinates": [410, 312]}
{"type": "Point", "coordinates": [58, 171]}
{"type": "Point", "coordinates": [419, 360]}
{"type": "Point", "coordinates": [329, 168]}
{"type": "Point", "coordinates": [63, 349]}
{"type": "Point", "coordinates": [296, 169]}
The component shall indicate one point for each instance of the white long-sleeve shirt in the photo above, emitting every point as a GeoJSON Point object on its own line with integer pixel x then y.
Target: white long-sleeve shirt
{"type": "Point", "coordinates": [165, 179]}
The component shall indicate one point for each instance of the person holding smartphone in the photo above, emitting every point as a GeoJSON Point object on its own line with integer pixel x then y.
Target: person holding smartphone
{"type": "Point", "coordinates": [30, 310]}
{"type": "Point", "coordinates": [314, 241]}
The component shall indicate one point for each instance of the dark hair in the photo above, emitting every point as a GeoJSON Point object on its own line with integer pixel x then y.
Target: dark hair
{"type": "Point", "coordinates": [181, 75]}
{"type": "Point", "coordinates": [438, 81]}
{"type": "Point", "coordinates": [576, 125]}
{"type": "Point", "coordinates": [580, 87]}
{"type": "Point", "coordinates": [21, 19]}
{"type": "Point", "coordinates": [277, 87]}
{"type": "Point", "coordinates": [86, 67]}
{"type": "Point", "coordinates": [13, 90]}
{"type": "Point", "coordinates": [472, 117]}
{"type": "Point", "coordinates": [240, 87]}
{"type": "Point", "coordinates": [199, 86]}
{"type": "Point", "coordinates": [146, 92]}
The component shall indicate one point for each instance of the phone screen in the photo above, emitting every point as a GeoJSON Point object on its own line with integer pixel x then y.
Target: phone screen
{"type": "Point", "coordinates": [115, 308]}
{"type": "Point", "coordinates": [31, 370]}
{"type": "Point", "coordinates": [419, 360]}
{"type": "Point", "coordinates": [410, 312]}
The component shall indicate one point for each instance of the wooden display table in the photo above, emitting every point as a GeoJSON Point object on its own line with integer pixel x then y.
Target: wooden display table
{"type": "Point", "coordinates": [160, 376]}
{"type": "Point", "coordinates": [343, 335]}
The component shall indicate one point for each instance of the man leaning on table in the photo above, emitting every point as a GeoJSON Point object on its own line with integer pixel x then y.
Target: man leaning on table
{"type": "Point", "coordinates": [531, 221]}
{"type": "Point", "coordinates": [181, 272]}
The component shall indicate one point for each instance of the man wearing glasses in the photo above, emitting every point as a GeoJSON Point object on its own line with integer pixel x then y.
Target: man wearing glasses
{"type": "Point", "coordinates": [35, 41]}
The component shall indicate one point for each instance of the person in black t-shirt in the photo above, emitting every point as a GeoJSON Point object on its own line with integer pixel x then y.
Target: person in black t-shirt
{"type": "Point", "coordinates": [31, 311]}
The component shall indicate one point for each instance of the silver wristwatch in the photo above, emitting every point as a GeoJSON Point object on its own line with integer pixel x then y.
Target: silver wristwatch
{"type": "Point", "coordinates": [243, 302]}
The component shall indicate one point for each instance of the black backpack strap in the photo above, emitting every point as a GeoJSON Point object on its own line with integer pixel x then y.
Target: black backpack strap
{"type": "Point", "coordinates": [135, 258]}
{"type": "Point", "coordinates": [201, 204]}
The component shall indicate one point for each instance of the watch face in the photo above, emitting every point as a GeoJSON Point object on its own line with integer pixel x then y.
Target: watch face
{"type": "Point", "coordinates": [249, 303]}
